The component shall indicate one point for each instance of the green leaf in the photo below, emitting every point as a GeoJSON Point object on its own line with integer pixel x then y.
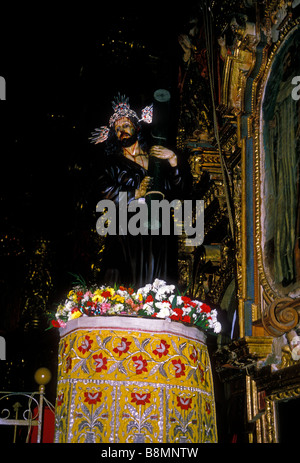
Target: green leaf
{"type": "Point", "coordinates": [78, 280]}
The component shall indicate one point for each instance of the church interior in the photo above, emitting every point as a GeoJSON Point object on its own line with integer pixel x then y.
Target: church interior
{"type": "Point", "coordinates": [232, 70]}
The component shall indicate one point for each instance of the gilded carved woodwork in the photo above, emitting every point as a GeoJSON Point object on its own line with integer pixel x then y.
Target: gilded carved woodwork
{"type": "Point", "coordinates": [266, 390]}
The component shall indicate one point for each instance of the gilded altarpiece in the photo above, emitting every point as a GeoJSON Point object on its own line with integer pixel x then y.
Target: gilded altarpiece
{"type": "Point", "coordinates": [257, 98]}
{"type": "Point", "coordinates": [274, 125]}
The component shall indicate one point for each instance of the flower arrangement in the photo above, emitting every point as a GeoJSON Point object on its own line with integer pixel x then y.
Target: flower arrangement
{"type": "Point", "coordinates": [156, 300]}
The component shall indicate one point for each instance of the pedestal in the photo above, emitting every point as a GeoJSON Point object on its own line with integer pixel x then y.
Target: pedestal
{"type": "Point", "coordinates": [133, 380]}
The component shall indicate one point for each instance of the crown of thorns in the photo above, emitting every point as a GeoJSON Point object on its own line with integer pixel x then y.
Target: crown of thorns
{"type": "Point", "coordinates": [121, 108]}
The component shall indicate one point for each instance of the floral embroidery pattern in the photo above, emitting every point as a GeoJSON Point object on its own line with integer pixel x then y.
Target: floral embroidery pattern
{"type": "Point", "coordinates": [140, 399]}
{"type": "Point", "coordinates": [184, 403]}
{"type": "Point", "coordinates": [179, 368]}
{"type": "Point", "coordinates": [96, 368]}
{"type": "Point", "coordinates": [68, 363]}
{"type": "Point", "coordinates": [194, 355]}
{"type": "Point", "coordinates": [100, 362]}
{"type": "Point", "coordinates": [183, 419]}
{"type": "Point", "coordinates": [123, 347]}
{"type": "Point", "coordinates": [60, 400]}
{"type": "Point", "coordinates": [92, 397]}
{"type": "Point", "coordinates": [140, 364]}
{"type": "Point", "coordinates": [162, 349]}
{"type": "Point", "coordinates": [85, 345]}
{"type": "Point", "coordinates": [127, 385]}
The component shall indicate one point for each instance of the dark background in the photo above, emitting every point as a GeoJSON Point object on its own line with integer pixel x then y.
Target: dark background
{"type": "Point", "coordinates": [62, 67]}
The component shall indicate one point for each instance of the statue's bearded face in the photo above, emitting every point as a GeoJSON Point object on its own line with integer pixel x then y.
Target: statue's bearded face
{"type": "Point", "coordinates": [125, 132]}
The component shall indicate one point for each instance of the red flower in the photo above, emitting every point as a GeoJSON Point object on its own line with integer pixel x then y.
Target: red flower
{"type": "Point", "coordinates": [179, 368]}
{"type": "Point", "coordinates": [79, 295]}
{"type": "Point", "coordinates": [184, 403]}
{"type": "Point", "coordinates": [90, 304]}
{"type": "Point", "coordinates": [140, 399]}
{"type": "Point", "coordinates": [149, 298]}
{"type": "Point", "coordinates": [100, 362]}
{"type": "Point", "coordinates": [105, 294]}
{"type": "Point", "coordinates": [140, 364]}
{"type": "Point", "coordinates": [85, 345]}
{"type": "Point", "coordinates": [178, 314]}
{"type": "Point", "coordinates": [123, 347]}
{"type": "Point", "coordinates": [60, 399]}
{"type": "Point", "coordinates": [186, 319]}
{"type": "Point", "coordinates": [130, 291]}
{"type": "Point", "coordinates": [162, 349]}
{"type": "Point", "coordinates": [92, 397]}
{"type": "Point", "coordinates": [205, 308]}
{"type": "Point", "coordinates": [186, 300]}
{"type": "Point", "coordinates": [55, 323]}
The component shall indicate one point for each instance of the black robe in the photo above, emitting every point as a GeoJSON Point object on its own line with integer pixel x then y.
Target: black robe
{"type": "Point", "coordinates": [138, 260]}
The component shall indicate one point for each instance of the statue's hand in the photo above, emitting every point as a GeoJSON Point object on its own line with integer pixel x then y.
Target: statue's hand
{"type": "Point", "coordinates": [164, 153]}
{"type": "Point", "coordinates": [142, 190]}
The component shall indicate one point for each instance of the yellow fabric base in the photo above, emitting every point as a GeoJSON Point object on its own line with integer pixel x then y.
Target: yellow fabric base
{"type": "Point", "coordinates": [117, 385]}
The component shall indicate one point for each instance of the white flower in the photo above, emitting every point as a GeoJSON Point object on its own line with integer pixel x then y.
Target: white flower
{"type": "Point", "coordinates": [163, 292]}
{"type": "Point", "coordinates": [214, 315]}
{"type": "Point", "coordinates": [148, 307]}
{"type": "Point", "coordinates": [217, 327]}
{"type": "Point", "coordinates": [158, 283]}
{"type": "Point", "coordinates": [162, 305]}
{"type": "Point", "coordinates": [123, 293]}
{"type": "Point", "coordinates": [186, 310]}
{"type": "Point", "coordinates": [115, 309]}
{"type": "Point", "coordinates": [163, 313]}
{"type": "Point", "coordinates": [144, 290]}
{"type": "Point", "coordinates": [164, 309]}
{"type": "Point", "coordinates": [68, 306]}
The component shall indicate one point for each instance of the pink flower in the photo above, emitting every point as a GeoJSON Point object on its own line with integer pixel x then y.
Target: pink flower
{"type": "Point", "coordinates": [62, 324]}
{"type": "Point", "coordinates": [105, 307]}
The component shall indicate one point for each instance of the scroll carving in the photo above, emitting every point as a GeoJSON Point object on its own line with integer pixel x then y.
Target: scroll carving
{"type": "Point", "coordinates": [281, 316]}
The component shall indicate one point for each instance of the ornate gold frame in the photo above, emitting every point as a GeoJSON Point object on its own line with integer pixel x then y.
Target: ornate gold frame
{"type": "Point", "coordinates": [271, 414]}
{"type": "Point", "coordinates": [279, 314]}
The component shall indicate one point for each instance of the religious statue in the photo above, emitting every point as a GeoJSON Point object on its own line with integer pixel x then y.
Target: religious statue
{"type": "Point", "coordinates": [132, 166]}
{"type": "Point", "coordinates": [282, 122]}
